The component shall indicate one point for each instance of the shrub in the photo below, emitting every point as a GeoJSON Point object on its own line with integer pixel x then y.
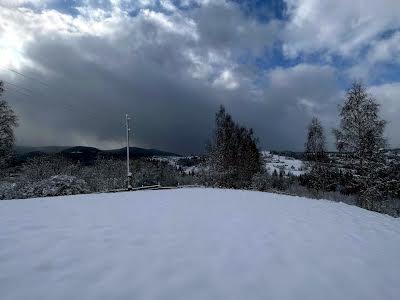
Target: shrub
{"type": "Point", "coordinates": [56, 186]}
{"type": "Point", "coordinates": [105, 175]}
{"type": "Point", "coordinates": [8, 190]}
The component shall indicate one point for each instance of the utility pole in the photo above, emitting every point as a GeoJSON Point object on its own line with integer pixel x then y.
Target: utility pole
{"type": "Point", "coordinates": [128, 172]}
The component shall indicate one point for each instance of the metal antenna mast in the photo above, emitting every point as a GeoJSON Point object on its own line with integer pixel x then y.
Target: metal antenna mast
{"type": "Point", "coordinates": [128, 172]}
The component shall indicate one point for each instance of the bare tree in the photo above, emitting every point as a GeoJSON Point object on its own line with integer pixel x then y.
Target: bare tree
{"type": "Point", "coordinates": [361, 136]}
{"type": "Point", "coordinates": [316, 158]}
{"type": "Point", "coordinates": [8, 122]}
{"type": "Point", "coordinates": [315, 148]}
{"type": "Point", "coordinates": [45, 166]}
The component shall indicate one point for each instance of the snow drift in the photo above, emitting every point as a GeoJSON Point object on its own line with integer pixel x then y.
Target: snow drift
{"type": "Point", "coordinates": [195, 244]}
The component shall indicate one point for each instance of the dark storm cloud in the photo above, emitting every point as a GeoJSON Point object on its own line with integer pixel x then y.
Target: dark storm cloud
{"type": "Point", "coordinates": [222, 25]}
{"type": "Point", "coordinates": [291, 98]}
{"type": "Point", "coordinates": [92, 81]}
{"type": "Point", "coordinates": [170, 109]}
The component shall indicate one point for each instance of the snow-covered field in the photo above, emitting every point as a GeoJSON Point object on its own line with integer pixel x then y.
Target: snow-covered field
{"type": "Point", "coordinates": [287, 164]}
{"type": "Point", "coordinates": [196, 244]}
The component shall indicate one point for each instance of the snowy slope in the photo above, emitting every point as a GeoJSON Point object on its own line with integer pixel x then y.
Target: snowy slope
{"type": "Point", "coordinates": [196, 244]}
{"type": "Point", "coordinates": [287, 164]}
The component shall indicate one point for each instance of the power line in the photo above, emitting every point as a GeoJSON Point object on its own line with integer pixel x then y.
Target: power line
{"type": "Point", "coordinates": [16, 85]}
{"type": "Point", "coordinates": [68, 106]}
{"type": "Point", "coordinates": [17, 90]}
{"type": "Point", "coordinates": [26, 76]}
{"type": "Point", "coordinates": [65, 105]}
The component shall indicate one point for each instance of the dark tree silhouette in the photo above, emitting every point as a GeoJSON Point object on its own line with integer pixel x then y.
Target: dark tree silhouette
{"type": "Point", "coordinates": [233, 156]}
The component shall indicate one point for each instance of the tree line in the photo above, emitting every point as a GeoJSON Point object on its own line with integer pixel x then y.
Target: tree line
{"type": "Point", "coordinates": [364, 169]}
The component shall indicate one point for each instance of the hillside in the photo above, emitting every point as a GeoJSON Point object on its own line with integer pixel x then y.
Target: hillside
{"type": "Point", "coordinates": [195, 244]}
{"type": "Point", "coordinates": [22, 150]}
{"type": "Point", "coordinates": [87, 154]}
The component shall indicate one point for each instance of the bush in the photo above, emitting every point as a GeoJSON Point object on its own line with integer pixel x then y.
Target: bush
{"type": "Point", "coordinates": [56, 186]}
{"type": "Point", "coordinates": [302, 191]}
{"type": "Point", "coordinates": [105, 175]}
{"type": "Point", "coordinates": [44, 167]}
{"type": "Point", "coordinates": [151, 172]}
{"type": "Point", "coordinates": [8, 190]}
{"type": "Point", "coordinates": [390, 206]}
{"type": "Point", "coordinates": [261, 181]}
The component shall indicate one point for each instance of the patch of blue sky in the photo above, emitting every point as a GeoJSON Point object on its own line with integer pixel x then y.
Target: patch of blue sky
{"type": "Point", "coordinates": [263, 10]}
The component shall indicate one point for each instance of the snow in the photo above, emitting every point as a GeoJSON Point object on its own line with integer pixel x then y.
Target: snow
{"type": "Point", "coordinates": [174, 162]}
{"type": "Point", "coordinates": [278, 162]}
{"type": "Point", "coordinates": [192, 170]}
{"type": "Point", "coordinates": [195, 244]}
{"type": "Point", "coordinates": [272, 162]}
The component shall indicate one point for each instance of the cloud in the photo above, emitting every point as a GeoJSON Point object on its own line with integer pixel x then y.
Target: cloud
{"type": "Point", "coordinates": [382, 56]}
{"type": "Point", "coordinates": [385, 50]}
{"type": "Point", "coordinates": [294, 95]}
{"type": "Point", "coordinates": [337, 27]}
{"type": "Point", "coordinates": [226, 80]}
{"type": "Point", "coordinates": [100, 64]}
{"type": "Point", "coordinates": [223, 26]}
{"type": "Point", "coordinates": [388, 95]}
{"type": "Point", "coordinates": [170, 68]}
{"type": "Point", "coordinates": [18, 3]}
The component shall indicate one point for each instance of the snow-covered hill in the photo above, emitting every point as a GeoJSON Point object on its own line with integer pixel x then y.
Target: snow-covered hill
{"type": "Point", "coordinates": [196, 244]}
{"type": "Point", "coordinates": [277, 163]}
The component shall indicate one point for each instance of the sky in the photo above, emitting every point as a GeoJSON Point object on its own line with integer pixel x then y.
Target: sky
{"type": "Point", "coordinates": [73, 69]}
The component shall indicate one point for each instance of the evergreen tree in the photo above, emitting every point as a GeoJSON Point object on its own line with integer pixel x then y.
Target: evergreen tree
{"type": "Point", "coordinates": [361, 136]}
{"type": "Point", "coordinates": [8, 121]}
{"type": "Point", "coordinates": [233, 156]}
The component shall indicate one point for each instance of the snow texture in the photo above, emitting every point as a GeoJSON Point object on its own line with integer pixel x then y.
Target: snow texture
{"type": "Point", "coordinates": [196, 244]}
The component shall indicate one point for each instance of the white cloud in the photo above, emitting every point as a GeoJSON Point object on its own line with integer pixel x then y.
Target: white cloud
{"type": "Point", "coordinates": [385, 50]}
{"type": "Point", "coordinates": [226, 80]}
{"type": "Point", "coordinates": [177, 24]}
{"type": "Point", "coordinates": [168, 5]}
{"type": "Point", "coordinates": [388, 95]}
{"type": "Point", "coordinates": [303, 74]}
{"type": "Point", "coordinates": [22, 26]}
{"type": "Point", "coordinates": [339, 27]}
{"type": "Point", "coordinates": [18, 3]}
